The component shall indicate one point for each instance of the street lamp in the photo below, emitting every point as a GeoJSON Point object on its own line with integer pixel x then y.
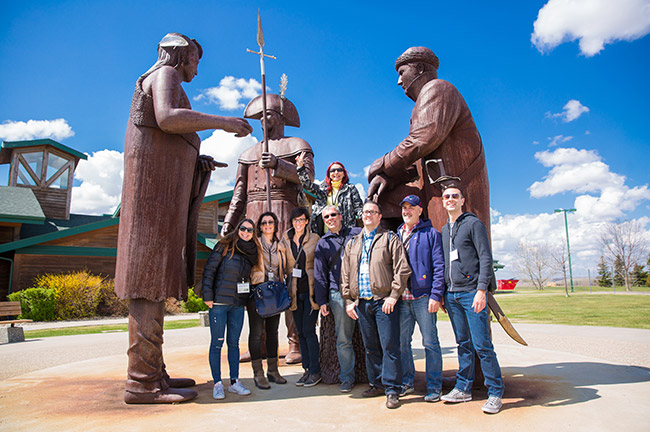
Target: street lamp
{"type": "Point", "coordinates": [568, 248]}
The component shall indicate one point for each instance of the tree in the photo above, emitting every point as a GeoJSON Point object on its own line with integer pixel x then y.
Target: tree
{"type": "Point", "coordinates": [619, 272]}
{"type": "Point", "coordinates": [624, 241]}
{"type": "Point", "coordinates": [559, 260]}
{"type": "Point", "coordinates": [604, 278]}
{"type": "Point", "coordinates": [639, 275]}
{"type": "Point", "coordinates": [533, 261]}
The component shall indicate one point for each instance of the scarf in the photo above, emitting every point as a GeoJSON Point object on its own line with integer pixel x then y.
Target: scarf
{"type": "Point", "coordinates": [248, 249]}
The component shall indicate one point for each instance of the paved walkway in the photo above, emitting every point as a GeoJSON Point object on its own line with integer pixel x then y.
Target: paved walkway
{"type": "Point", "coordinates": [569, 378]}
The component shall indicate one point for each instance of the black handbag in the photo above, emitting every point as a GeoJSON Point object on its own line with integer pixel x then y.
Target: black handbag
{"type": "Point", "coordinates": [272, 297]}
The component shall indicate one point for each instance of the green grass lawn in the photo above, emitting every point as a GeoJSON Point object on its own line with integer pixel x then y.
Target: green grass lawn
{"type": "Point", "coordinates": [580, 308]}
{"type": "Point", "coordinates": [67, 331]}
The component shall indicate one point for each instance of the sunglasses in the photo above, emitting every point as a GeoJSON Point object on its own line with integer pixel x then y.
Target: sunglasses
{"type": "Point", "coordinates": [300, 220]}
{"type": "Point", "coordinates": [336, 170]}
{"type": "Point", "coordinates": [245, 229]}
{"type": "Point", "coordinates": [453, 195]}
{"type": "Point", "coordinates": [331, 215]}
{"type": "Point", "coordinates": [267, 222]}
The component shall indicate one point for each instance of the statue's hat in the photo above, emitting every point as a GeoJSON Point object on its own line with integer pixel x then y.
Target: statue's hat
{"type": "Point", "coordinates": [282, 106]}
{"type": "Point", "coordinates": [417, 55]}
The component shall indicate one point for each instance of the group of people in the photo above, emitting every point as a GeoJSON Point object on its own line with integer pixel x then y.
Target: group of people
{"type": "Point", "coordinates": [383, 280]}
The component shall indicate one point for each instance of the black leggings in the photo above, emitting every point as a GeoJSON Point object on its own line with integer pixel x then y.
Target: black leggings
{"type": "Point", "coordinates": [257, 325]}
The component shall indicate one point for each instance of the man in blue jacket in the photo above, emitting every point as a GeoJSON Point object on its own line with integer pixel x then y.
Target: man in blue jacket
{"type": "Point", "coordinates": [327, 278]}
{"type": "Point", "coordinates": [421, 299]}
{"type": "Point", "coordinates": [468, 264]}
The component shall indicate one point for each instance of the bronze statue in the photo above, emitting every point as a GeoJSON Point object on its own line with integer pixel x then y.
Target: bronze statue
{"type": "Point", "coordinates": [249, 196]}
{"type": "Point", "coordinates": [164, 183]}
{"type": "Point", "coordinates": [442, 133]}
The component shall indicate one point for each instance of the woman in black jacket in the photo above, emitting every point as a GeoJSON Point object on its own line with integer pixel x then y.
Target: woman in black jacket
{"type": "Point", "coordinates": [225, 289]}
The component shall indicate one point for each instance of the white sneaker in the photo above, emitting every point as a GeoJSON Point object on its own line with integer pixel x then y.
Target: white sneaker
{"type": "Point", "coordinates": [239, 388]}
{"type": "Point", "coordinates": [217, 391]}
{"type": "Point", "coordinates": [493, 405]}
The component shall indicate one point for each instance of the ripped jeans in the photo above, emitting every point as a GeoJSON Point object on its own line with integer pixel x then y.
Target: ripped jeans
{"type": "Point", "coordinates": [222, 317]}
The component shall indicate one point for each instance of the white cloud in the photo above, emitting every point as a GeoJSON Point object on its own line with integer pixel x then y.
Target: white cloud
{"type": "Point", "coordinates": [558, 139]}
{"type": "Point", "coordinates": [602, 196]}
{"type": "Point", "coordinates": [35, 129]}
{"type": "Point", "coordinates": [101, 183]}
{"type": "Point", "coordinates": [230, 91]}
{"type": "Point", "coordinates": [573, 170]}
{"type": "Point", "coordinates": [366, 170]}
{"type": "Point", "coordinates": [571, 111]}
{"type": "Point", "coordinates": [225, 147]}
{"type": "Point", "coordinates": [362, 190]}
{"type": "Point", "coordinates": [594, 22]}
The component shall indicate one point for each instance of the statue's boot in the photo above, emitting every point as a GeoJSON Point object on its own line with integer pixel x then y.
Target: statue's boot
{"type": "Point", "coordinates": [293, 356]}
{"type": "Point", "coordinates": [146, 383]}
{"type": "Point", "coordinates": [177, 382]}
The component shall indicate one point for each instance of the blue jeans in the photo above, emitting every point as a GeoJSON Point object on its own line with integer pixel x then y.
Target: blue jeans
{"type": "Point", "coordinates": [305, 318]}
{"type": "Point", "coordinates": [224, 317]}
{"type": "Point", "coordinates": [472, 332]}
{"type": "Point", "coordinates": [344, 327]}
{"type": "Point", "coordinates": [380, 333]}
{"type": "Point", "coordinates": [412, 311]}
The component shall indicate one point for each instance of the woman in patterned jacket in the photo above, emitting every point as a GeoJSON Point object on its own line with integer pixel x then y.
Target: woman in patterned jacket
{"type": "Point", "coordinates": [335, 190]}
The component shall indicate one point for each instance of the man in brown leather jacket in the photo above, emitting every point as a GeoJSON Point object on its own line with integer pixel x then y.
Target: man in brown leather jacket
{"type": "Point", "coordinates": [374, 273]}
{"type": "Point", "coordinates": [441, 128]}
{"type": "Point", "coordinates": [249, 195]}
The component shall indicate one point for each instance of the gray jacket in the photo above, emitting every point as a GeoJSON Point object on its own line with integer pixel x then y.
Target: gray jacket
{"type": "Point", "coordinates": [473, 268]}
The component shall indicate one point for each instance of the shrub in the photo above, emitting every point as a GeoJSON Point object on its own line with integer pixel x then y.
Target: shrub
{"type": "Point", "coordinates": [38, 304]}
{"type": "Point", "coordinates": [194, 303]}
{"type": "Point", "coordinates": [110, 304]}
{"type": "Point", "coordinates": [77, 294]}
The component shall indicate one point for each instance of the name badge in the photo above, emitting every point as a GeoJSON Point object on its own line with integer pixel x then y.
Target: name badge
{"type": "Point", "coordinates": [243, 288]}
{"type": "Point", "coordinates": [271, 276]}
{"type": "Point", "coordinates": [297, 273]}
{"type": "Point", "coordinates": [453, 255]}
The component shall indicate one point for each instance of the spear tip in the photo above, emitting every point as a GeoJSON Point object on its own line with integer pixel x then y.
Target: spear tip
{"type": "Point", "coordinates": [260, 34]}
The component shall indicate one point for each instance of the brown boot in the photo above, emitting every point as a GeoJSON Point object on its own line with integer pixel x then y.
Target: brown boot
{"type": "Point", "coordinates": [293, 356]}
{"type": "Point", "coordinates": [258, 375]}
{"type": "Point", "coordinates": [274, 373]}
{"type": "Point", "coordinates": [177, 382]}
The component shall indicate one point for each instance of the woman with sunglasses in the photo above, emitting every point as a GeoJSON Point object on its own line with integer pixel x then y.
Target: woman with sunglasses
{"type": "Point", "coordinates": [274, 261]}
{"type": "Point", "coordinates": [335, 190]}
{"type": "Point", "coordinates": [300, 245]}
{"type": "Point", "coordinates": [225, 289]}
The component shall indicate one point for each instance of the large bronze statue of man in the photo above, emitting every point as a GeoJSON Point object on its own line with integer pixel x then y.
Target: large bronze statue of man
{"type": "Point", "coordinates": [164, 183]}
{"type": "Point", "coordinates": [249, 196]}
{"type": "Point", "coordinates": [442, 134]}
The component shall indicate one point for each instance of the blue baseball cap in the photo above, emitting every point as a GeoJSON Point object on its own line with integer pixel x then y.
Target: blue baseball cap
{"type": "Point", "coordinates": [414, 200]}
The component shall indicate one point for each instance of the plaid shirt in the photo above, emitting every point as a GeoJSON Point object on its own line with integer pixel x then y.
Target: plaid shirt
{"type": "Point", "coordinates": [365, 292]}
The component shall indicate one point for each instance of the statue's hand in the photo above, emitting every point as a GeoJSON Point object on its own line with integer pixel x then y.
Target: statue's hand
{"type": "Point", "coordinates": [268, 161]}
{"type": "Point", "coordinates": [207, 163]}
{"type": "Point", "coordinates": [238, 126]}
{"type": "Point", "coordinates": [375, 169]}
{"type": "Point", "coordinates": [226, 229]}
{"type": "Point", "coordinates": [377, 186]}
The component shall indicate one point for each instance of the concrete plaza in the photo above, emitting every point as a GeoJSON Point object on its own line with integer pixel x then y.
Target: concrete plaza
{"type": "Point", "coordinates": [568, 378]}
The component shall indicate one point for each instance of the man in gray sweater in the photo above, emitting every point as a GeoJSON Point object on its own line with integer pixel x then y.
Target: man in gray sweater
{"type": "Point", "coordinates": [468, 271]}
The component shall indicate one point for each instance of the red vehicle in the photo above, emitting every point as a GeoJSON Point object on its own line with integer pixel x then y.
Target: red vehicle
{"type": "Point", "coordinates": [506, 284]}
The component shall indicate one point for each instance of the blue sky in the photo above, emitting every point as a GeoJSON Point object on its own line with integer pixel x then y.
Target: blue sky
{"type": "Point", "coordinates": [518, 65]}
